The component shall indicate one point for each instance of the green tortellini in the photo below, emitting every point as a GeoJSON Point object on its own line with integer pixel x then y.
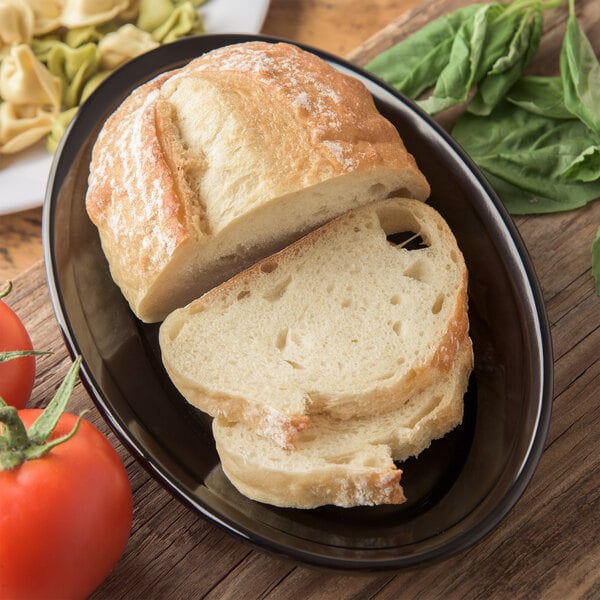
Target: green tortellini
{"type": "Point", "coordinates": [74, 66]}
{"type": "Point", "coordinates": [83, 35]}
{"type": "Point", "coordinates": [168, 21]}
{"type": "Point", "coordinates": [59, 127]}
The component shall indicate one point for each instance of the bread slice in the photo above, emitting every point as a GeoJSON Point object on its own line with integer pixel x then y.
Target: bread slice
{"type": "Point", "coordinates": [345, 463]}
{"type": "Point", "coordinates": [343, 322]}
{"type": "Point", "coordinates": [208, 168]}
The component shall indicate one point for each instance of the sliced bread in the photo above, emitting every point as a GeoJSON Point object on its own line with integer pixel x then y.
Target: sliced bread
{"type": "Point", "coordinates": [345, 463]}
{"type": "Point", "coordinates": [210, 167]}
{"type": "Point", "coordinates": [346, 322]}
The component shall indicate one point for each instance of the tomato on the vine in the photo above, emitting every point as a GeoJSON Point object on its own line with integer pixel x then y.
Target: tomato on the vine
{"type": "Point", "coordinates": [17, 374]}
{"type": "Point", "coordinates": [65, 502]}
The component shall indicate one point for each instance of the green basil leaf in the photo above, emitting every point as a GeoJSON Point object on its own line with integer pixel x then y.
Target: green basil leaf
{"type": "Point", "coordinates": [519, 44]}
{"type": "Point", "coordinates": [456, 80]}
{"type": "Point", "coordinates": [508, 127]}
{"type": "Point", "coordinates": [596, 260]}
{"type": "Point", "coordinates": [580, 73]}
{"type": "Point", "coordinates": [524, 157]}
{"type": "Point", "coordinates": [586, 166]}
{"type": "Point", "coordinates": [509, 68]}
{"type": "Point", "coordinates": [541, 96]}
{"type": "Point", "coordinates": [414, 64]}
{"type": "Point", "coordinates": [519, 201]}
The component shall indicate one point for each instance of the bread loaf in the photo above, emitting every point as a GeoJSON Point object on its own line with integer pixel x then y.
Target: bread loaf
{"type": "Point", "coordinates": [344, 462]}
{"type": "Point", "coordinates": [344, 322]}
{"type": "Point", "coordinates": [208, 168]}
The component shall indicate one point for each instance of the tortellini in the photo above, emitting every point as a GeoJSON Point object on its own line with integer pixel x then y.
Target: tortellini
{"type": "Point", "coordinates": [54, 53]}
{"type": "Point", "coordinates": [167, 21]}
{"type": "Point", "coordinates": [32, 100]}
{"type": "Point", "coordinates": [58, 128]}
{"type": "Point", "coordinates": [22, 125]}
{"type": "Point", "coordinates": [16, 25]}
{"type": "Point", "coordinates": [74, 66]}
{"type": "Point", "coordinates": [46, 15]}
{"type": "Point", "coordinates": [125, 43]}
{"type": "Point", "coordinates": [25, 80]}
{"type": "Point", "coordinates": [79, 13]}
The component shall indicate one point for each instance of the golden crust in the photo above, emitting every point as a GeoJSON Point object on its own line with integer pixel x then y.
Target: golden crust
{"type": "Point", "coordinates": [132, 197]}
{"type": "Point", "coordinates": [161, 184]}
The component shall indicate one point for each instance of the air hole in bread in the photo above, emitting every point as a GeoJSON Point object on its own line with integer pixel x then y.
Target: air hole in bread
{"type": "Point", "coordinates": [395, 300]}
{"type": "Point", "coordinates": [376, 189]}
{"type": "Point", "coordinates": [346, 303]}
{"type": "Point", "coordinates": [279, 290]}
{"type": "Point", "coordinates": [400, 193]}
{"type": "Point", "coordinates": [397, 327]}
{"type": "Point", "coordinates": [243, 294]}
{"type": "Point", "coordinates": [268, 266]}
{"type": "Point", "coordinates": [294, 364]}
{"type": "Point", "coordinates": [281, 340]}
{"type": "Point", "coordinates": [438, 304]}
{"type": "Point", "coordinates": [409, 240]}
{"type": "Point", "coordinates": [416, 271]}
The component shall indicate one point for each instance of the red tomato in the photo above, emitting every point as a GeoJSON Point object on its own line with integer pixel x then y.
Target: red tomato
{"type": "Point", "coordinates": [16, 375]}
{"type": "Point", "coordinates": [64, 518]}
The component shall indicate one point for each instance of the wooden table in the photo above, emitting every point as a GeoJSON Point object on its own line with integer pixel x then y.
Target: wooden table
{"type": "Point", "coordinates": [547, 547]}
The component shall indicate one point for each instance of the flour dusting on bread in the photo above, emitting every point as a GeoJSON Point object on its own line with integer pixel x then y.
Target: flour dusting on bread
{"type": "Point", "coordinates": [208, 168]}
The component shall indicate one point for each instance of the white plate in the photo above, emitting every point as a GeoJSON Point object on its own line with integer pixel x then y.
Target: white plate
{"type": "Point", "coordinates": [23, 176]}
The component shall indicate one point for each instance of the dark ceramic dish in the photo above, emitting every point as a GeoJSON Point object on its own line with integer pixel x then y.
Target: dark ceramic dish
{"type": "Point", "coordinates": [458, 490]}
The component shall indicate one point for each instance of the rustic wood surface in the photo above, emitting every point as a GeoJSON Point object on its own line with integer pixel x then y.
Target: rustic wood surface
{"type": "Point", "coordinates": [547, 547]}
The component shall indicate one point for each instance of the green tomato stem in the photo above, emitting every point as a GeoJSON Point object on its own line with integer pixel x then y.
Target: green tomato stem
{"type": "Point", "coordinates": [12, 354]}
{"type": "Point", "coordinates": [6, 291]}
{"type": "Point", "coordinates": [43, 426]}
{"type": "Point", "coordinates": [14, 438]}
{"type": "Point", "coordinates": [18, 444]}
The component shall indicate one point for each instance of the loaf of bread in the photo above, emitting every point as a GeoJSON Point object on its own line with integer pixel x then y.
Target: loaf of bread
{"type": "Point", "coordinates": [205, 169]}
{"type": "Point", "coordinates": [348, 321]}
{"type": "Point", "coordinates": [344, 462]}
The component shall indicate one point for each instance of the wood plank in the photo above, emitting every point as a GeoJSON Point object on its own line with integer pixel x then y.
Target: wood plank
{"type": "Point", "coordinates": [337, 26]}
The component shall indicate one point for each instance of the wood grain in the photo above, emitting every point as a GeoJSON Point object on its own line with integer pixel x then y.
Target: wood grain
{"type": "Point", "coordinates": [547, 547]}
{"type": "Point", "coordinates": [335, 26]}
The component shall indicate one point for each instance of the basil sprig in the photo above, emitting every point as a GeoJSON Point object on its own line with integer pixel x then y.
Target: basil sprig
{"type": "Point", "coordinates": [537, 139]}
{"type": "Point", "coordinates": [485, 45]}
